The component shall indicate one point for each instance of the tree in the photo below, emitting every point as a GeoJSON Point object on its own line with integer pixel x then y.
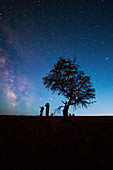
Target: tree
{"type": "Point", "coordinates": [67, 80]}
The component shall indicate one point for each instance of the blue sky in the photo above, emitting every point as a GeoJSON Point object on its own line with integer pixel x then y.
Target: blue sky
{"type": "Point", "coordinates": [34, 34]}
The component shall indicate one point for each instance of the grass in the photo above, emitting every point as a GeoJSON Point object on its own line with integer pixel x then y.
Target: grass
{"type": "Point", "coordinates": [32, 142]}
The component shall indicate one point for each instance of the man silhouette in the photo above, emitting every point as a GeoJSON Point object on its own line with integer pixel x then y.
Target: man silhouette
{"type": "Point", "coordinates": [47, 109]}
{"type": "Point", "coordinates": [41, 111]}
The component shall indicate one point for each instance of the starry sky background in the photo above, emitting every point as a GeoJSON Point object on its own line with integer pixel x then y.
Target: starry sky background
{"type": "Point", "coordinates": [35, 33]}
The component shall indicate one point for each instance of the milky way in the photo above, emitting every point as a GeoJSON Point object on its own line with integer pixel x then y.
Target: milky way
{"type": "Point", "coordinates": [15, 85]}
{"type": "Point", "coordinates": [34, 34]}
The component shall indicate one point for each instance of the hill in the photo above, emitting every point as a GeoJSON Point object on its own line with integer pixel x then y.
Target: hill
{"type": "Point", "coordinates": [32, 142]}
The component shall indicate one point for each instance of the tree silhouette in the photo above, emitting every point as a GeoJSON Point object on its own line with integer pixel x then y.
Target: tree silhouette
{"type": "Point", "coordinates": [67, 80]}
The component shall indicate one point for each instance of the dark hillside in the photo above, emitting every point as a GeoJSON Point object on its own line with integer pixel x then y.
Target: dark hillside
{"type": "Point", "coordinates": [29, 142]}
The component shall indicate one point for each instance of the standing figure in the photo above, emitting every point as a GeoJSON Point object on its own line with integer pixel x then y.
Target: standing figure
{"type": "Point", "coordinates": [41, 111]}
{"type": "Point", "coordinates": [47, 109]}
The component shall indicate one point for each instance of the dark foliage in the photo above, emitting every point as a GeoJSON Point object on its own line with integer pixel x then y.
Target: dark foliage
{"type": "Point", "coordinates": [67, 80]}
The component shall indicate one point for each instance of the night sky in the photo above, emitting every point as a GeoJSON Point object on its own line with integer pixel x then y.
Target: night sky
{"type": "Point", "coordinates": [35, 33]}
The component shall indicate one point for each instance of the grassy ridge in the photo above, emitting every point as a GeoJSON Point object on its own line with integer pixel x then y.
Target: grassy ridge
{"type": "Point", "coordinates": [29, 142]}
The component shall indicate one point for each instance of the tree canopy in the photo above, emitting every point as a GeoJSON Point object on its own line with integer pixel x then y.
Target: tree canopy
{"type": "Point", "coordinates": [66, 79]}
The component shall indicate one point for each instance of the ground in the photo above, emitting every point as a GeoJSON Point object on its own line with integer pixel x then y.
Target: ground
{"type": "Point", "coordinates": [32, 142]}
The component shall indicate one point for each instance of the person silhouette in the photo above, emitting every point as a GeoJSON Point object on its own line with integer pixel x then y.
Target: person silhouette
{"type": "Point", "coordinates": [47, 109]}
{"type": "Point", "coordinates": [41, 111]}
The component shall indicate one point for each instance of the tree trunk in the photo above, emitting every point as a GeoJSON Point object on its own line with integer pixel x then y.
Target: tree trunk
{"type": "Point", "coordinates": [65, 111]}
{"type": "Point", "coordinates": [66, 108]}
